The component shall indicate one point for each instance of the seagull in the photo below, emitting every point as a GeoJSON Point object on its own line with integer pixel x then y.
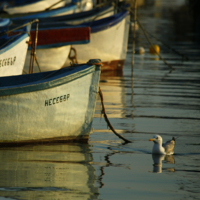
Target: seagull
{"type": "Point", "coordinates": [160, 148]}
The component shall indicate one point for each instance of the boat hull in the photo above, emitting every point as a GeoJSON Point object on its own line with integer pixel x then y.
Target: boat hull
{"type": "Point", "coordinates": [49, 59]}
{"type": "Point", "coordinates": [69, 8]}
{"type": "Point", "coordinates": [11, 59]}
{"type": "Point", "coordinates": [33, 7]}
{"type": "Point", "coordinates": [109, 44]}
{"type": "Point", "coordinates": [52, 109]}
{"type": "Point", "coordinates": [54, 44]}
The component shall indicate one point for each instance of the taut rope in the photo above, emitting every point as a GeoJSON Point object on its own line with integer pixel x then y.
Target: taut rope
{"type": "Point", "coordinates": [107, 120]}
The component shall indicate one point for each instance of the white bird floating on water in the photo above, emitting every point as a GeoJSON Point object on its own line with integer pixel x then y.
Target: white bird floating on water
{"type": "Point", "coordinates": [160, 148]}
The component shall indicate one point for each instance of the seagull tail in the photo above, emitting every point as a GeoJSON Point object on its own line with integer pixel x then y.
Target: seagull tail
{"type": "Point", "coordinates": [173, 138]}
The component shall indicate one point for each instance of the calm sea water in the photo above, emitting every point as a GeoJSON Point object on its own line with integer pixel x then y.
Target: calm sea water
{"type": "Point", "coordinates": [151, 100]}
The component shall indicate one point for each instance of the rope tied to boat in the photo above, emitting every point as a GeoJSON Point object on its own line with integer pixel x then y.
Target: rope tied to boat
{"type": "Point", "coordinates": [73, 58]}
{"type": "Point", "coordinates": [107, 120]}
{"type": "Point", "coordinates": [33, 49]}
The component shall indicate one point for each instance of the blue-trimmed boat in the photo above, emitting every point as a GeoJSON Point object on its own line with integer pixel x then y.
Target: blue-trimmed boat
{"type": "Point", "coordinates": [108, 40]}
{"type": "Point", "coordinates": [54, 45]}
{"type": "Point", "coordinates": [75, 18]}
{"type": "Point", "coordinates": [49, 106]}
{"type": "Point", "coordinates": [13, 50]}
{"type": "Point", "coordinates": [28, 6]}
{"type": "Point", "coordinates": [69, 8]}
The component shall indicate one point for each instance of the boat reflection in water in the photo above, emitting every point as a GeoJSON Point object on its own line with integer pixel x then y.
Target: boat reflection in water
{"type": "Point", "coordinates": [157, 159]}
{"type": "Point", "coordinates": [114, 95]}
{"type": "Point", "coordinates": [56, 171]}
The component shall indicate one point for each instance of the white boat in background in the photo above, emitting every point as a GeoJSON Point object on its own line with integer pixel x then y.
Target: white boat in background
{"type": "Point", "coordinates": [54, 44]}
{"type": "Point", "coordinates": [73, 7]}
{"type": "Point", "coordinates": [13, 50]}
{"type": "Point", "coordinates": [109, 41]}
{"type": "Point", "coordinates": [49, 106]}
{"type": "Point", "coordinates": [75, 18]}
{"type": "Point", "coordinates": [31, 6]}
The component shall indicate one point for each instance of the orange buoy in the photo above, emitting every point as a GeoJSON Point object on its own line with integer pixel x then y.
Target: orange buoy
{"type": "Point", "coordinates": [156, 47]}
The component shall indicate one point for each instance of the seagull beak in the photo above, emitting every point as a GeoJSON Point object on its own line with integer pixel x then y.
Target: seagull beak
{"type": "Point", "coordinates": [151, 139]}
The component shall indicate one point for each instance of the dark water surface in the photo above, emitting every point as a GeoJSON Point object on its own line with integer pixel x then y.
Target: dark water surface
{"type": "Point", "coordinates": [152, 100]}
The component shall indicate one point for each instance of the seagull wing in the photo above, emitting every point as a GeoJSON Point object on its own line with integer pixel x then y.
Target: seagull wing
{"type": "Point", "coordinates": [169, 146]}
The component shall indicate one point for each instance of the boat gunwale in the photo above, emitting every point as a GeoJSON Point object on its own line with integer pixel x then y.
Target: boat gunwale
{"type": "Point", "coordinates": [14, 42]}
{"type": "Point", "coordinates": [69, 17]}
{"type": "Point", "coordinates": [106, 23]}
{"type": "Point", "coordinates": [42, 14]}
{"type": "Point", "coordinates": [47, 83]}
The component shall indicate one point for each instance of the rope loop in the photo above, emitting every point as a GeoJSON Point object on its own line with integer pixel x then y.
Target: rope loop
{"type": "Point", "coordinates": [73, 58]}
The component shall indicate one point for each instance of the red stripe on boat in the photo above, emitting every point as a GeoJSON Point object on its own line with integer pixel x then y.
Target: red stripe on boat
{"type": "Point", "coordinates": [61, 35]}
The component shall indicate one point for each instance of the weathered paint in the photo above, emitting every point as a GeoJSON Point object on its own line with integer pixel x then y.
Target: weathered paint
{"type": "Point", "coordinates": [59, 36]}
{"type": "Point", "coordinates": [25, 116]}
{"type": "Point", "coordinates": [115, 65]}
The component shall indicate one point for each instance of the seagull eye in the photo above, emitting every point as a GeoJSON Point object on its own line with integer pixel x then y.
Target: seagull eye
{"type": "Point", "coordinates": [156, 138]}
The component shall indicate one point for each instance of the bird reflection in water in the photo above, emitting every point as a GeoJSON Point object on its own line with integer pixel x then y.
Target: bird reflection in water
{"type": "Point", "coordinates": [158, 158]}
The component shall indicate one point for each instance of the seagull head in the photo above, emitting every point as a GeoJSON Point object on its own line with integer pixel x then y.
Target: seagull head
{"type": "Point", "coordinates": [157, 139]}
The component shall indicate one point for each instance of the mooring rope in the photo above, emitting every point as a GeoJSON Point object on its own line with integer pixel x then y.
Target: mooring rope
{"type": "Point", "coordinates": [169, 47]}
{"type": "Point", "coordinates": [153, 46]}
{"type": "Point", "coordinates": [145, 33]}
{"type": "Point", "coordinates": [107, 120]}
{"type": "Point", "coordinates": [73, 58]}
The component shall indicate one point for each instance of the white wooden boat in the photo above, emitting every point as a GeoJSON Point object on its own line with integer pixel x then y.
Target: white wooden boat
{"type": "Point", "coordinates": [54, 44]}
{"type": "Point", "coordinates": [72, 7]}
{"type": "Point", "coordinates": [52, 49]}
{"type": "Point", "coordinates": [54, 105]}
{"type": "Point", "coordinates": [13, 50]}
{"type": "Point", "coordinates": [31, 6]}
{"type": "Point", "coordinates": [75, 18]}
{"type": "Point", "coordinates": [109, 40]}
{"type": "Point", "coordinates": [58, 170]}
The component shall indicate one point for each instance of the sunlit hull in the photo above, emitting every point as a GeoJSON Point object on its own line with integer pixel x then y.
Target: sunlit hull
{"type": "Point", "coordinates": [109, 44]}
{"type": "Point", "coordinates": [33, 6]}
{"type": "Point", "coordinates": [49, 58]}
{"type": "Point", "coordinates": [11, 59]}
{"type": "Point", "coordinates": [56, 105]}
{"type": "Point", "coordinates": [53, 46]}
{"type": "Point", "coordinates": [31, 11]}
